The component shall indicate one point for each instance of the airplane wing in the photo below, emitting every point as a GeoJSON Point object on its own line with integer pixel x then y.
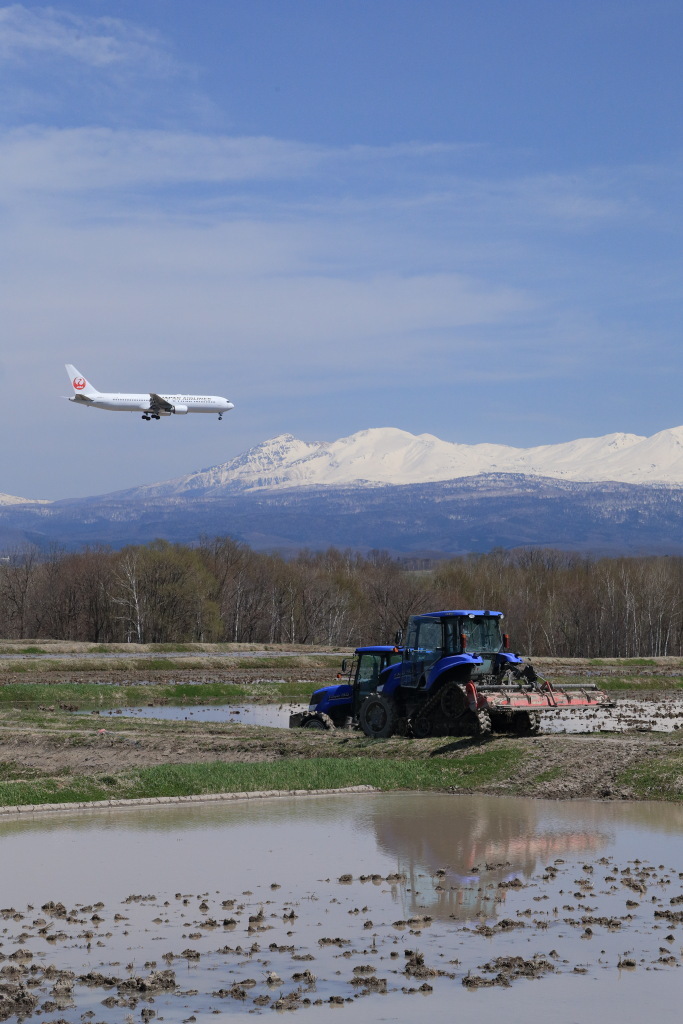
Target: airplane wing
{"type": "Point", "coordinates": [159, 404]}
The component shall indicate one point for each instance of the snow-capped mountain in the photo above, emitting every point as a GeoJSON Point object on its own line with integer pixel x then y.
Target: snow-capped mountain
{"type": "Point", "coordinates": [11, 499]}
{"type": "Point", "coordinates": [391, 490]}
{"type": "Point", "coordinates": [391, 456]}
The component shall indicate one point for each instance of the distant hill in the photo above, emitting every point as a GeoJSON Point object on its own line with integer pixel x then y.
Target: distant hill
{"type": "Point", "coordinates": [451, 517]}
{"type": "Point", "coordinates": [389, 489]}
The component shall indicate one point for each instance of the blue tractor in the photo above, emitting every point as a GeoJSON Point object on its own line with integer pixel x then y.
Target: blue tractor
{"type": "Point", "coordinates": [338, 706]}
{"type": "Point", "coordinates": [454, 675]}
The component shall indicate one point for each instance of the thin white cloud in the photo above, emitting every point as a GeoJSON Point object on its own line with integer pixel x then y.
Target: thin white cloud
{"type": "Point", "coordinates": [69, 160]}
{"type": "Point", "coordinates": [98, 42]}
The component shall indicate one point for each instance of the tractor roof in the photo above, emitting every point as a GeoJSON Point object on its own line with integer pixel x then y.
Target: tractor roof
{"type": "Point", "coordinates": [453, 613]}
{"type": "Point", "coordinates": [383, 649]}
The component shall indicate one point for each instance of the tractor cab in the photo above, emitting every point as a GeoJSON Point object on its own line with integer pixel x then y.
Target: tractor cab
{"type": "Point", "coordinates": [337, 705]}
{"type": "Point", "coordinates": [370, 663]}
{"type": "Point", "coordinates": [450, 639]}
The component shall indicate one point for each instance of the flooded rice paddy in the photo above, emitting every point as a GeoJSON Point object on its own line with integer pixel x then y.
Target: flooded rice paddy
{"type": "Point", "coordinates": [276, 715]}
{"type": "Point", "coordinates": [661, 715]}
{"type": "Point", "coordinates": [372, 907]}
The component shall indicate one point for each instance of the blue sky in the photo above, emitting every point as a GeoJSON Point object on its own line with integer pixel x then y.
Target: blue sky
{"type": "Point", "coordinates": [460, 218]}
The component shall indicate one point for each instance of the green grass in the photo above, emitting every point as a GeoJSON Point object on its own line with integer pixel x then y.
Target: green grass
{"type": "Point", "coordinates": [660, 779]}
{"type": "Point", "coordinates": [157, 664]}
{"type": "Point", "coordinates": [10, 771]}
{"type": "Point", "coordinates": [92, 696]}
{"type": "Point", "coordinates": [177, 648]}
{"type": "Point", "coordinates": [467, 772]}
{"type": "Point", "coordinates": [642, 683]}
{"type": "Point", "coordinates": [141, 664]}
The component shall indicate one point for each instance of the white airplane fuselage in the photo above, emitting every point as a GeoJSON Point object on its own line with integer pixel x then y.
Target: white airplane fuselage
{"type": "Point", "coordinates": [152, 406]}
{"type": "Point", "coordinates": [118, 402]}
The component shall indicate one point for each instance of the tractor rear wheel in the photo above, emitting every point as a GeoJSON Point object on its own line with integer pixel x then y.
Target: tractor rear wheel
{"type": "Point", "coordinates": [378, 716]}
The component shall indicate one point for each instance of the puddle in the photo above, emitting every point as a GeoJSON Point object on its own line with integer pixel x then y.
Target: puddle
{"type": "Point", "coordinates": [249, 714]}
{"type": "Point", "coordinates": [665, 715]}
{"type": "Point", "coordinates": [440, 890]}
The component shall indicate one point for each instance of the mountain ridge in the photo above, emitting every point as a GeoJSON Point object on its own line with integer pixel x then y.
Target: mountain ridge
{"type": "Point", "coordinates": [451, 517]}
{"type": "Point", "coordinates": [389, 456]}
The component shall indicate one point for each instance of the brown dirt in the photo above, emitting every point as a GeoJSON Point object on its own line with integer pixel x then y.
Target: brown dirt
{"type": "Point", "coordinates": [560, 766]}
{"type": "Point", "coordinates": [557, 767]}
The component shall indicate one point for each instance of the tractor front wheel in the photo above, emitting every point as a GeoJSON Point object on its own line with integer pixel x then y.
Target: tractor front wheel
{"type": "Point", "coordinates": [317, 720]}
{"type": "Point", "coordinates": [378, 716]}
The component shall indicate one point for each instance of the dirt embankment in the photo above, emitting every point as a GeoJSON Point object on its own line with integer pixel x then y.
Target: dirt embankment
{"type": "Point", "coordinates": [553, 767]}
{"type": "Point", "coordinates": [34, 741]}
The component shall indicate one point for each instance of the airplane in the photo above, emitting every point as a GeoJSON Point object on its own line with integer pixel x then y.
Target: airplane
{"type": "Point", "coordinates": [153, 406]}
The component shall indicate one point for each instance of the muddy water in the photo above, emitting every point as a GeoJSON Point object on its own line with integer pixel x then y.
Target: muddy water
{"type": "Point", "coordinates": [276, 715]}
{"type": "Point", "coordinates": [665, 715]}
{"type": "Point", "coordinates": [436, 890]}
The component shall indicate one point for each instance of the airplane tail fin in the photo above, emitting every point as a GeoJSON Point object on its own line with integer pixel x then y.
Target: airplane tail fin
{"type": "Point", "coordinates": [80, 385]}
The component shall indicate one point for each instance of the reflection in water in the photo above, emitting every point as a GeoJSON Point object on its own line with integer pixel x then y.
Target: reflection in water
{"type": "Point", "coordinates": [474, 846]}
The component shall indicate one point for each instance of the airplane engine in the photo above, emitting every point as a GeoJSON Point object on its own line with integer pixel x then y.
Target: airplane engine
{"type": "Point", "coordinates": [180, 410]}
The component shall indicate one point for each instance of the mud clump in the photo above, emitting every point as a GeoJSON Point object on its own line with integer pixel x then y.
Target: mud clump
{"type": "Point", "coordinates": [507, 969]}
{"type": "Point", "coordinates": [96, 980]}
{"type": "Point", "coordinates": [157, 981]}
{"type": "Point", "coordinates": [416, 967]}
{"type": "Point", "coordinates": [16, 1001]}
{"type": "Point", "coordinates": [370, 983]}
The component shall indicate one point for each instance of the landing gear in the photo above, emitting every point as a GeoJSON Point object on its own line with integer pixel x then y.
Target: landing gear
{"type": "Point", "coordinates": [220, 415]}
{"type": "Point", "coordinates": [145, 416]}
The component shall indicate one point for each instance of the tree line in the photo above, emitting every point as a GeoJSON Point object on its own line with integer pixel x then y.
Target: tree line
{"type": "Point", "coordinates": [556, 603]}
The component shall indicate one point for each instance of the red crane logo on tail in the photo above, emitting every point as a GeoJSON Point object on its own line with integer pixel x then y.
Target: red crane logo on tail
{"type": "Point", "coordinates": [79, 383]}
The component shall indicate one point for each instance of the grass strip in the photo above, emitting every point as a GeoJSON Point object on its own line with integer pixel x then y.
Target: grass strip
{"type": "Point", "coordinates": [87, 696]}
{"type": "Point", "coordinates": [640, 683]}
{"type": "Point", "coordinates": [660, 779]}
{"type": "Point", "coordinates": [153, 663]}
{"type": "Point", "coordinates": [624, 662]}
{"type": "Point", "coordinates": [467, 772]}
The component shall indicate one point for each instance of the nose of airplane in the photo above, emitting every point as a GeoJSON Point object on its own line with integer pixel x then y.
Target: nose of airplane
{"type": "Point", "coordinates": [228, 405]}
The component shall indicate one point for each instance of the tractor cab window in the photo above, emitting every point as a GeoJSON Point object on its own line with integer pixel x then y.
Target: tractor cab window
{"type": "Point", "coordinates": [425, 640]}
{"type": "Point", "coordinates": [369, 668]}
{"type": "Point", "coordinates": [483, 633]}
